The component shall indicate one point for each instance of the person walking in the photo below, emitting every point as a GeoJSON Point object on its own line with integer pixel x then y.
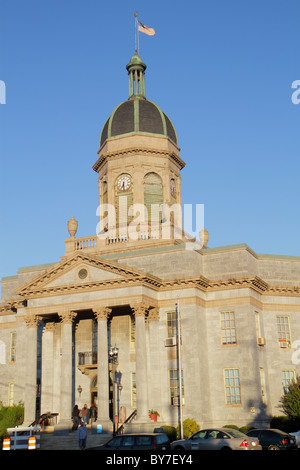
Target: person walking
{"type": "Point", "coordinates": [75, 417]}
{"type": "Point", "coordinates": [82, 436]}
{"type": "Point", "coordinates": [85, 414]}
{"type": "Point", "coordinates": [93, 412]}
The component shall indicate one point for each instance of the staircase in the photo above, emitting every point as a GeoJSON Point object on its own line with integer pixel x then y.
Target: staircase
{"type": "Point", "coordinates": [50, 441]}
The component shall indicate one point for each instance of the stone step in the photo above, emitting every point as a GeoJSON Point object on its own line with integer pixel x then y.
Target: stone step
{"type": "Point", "coordinates": [69, 441]}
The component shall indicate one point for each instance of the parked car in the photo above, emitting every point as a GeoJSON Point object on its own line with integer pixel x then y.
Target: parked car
{"type": "Point", "coordinates": [149, 441]}
{"type": "Point", "coordinates": [217, 439]}
{"type": "Point", "coordinates": [297, 437]}
{"type": "Point", "coordinates": [274, 439]}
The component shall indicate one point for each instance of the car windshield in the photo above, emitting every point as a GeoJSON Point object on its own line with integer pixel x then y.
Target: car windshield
{"type": "Point", "coordinates": [235, 433]}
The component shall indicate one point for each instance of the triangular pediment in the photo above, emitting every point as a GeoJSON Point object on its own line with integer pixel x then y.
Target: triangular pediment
{"type": "Point", "coordinates": [83, 271]}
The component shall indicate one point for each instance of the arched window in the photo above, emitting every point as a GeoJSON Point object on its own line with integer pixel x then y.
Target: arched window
{"type": "Point", "coordinates": [153, 196]}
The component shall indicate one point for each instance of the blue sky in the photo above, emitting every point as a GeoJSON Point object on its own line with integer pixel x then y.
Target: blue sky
{"type": "Point", "coordinates": [222, 70]}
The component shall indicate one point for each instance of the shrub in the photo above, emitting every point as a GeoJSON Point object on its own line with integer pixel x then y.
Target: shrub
{"type": "Point", "coordinates": [284, 423]}
{"type": "Point", "coordinates": [246, 429]}
{"type": "Point", "coordinates": [10, 416]}
{"type": "Point", "coordinates": [190, 426]}
{"type": "Point", "coordinates": [232, 426]}
{"type": "Point", "coordinates": [170, 432]}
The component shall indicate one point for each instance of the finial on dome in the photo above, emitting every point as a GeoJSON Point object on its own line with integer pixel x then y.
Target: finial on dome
{"type": "Point", "coordinates": [204, 236]}
{"type": "Point", "coordinates": [136, 72]}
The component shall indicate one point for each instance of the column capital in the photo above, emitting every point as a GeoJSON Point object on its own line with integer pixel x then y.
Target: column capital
{"type": "Point", "coordinates": [32, 321]}
{"type": "Point", "coordinates": [102, 313]}
{"type": "Point", "coordinates": [140, 310]}
{"type": "Point", "coordinates": [67, 317]}
{"type": "Point", "coordinates": [50, 326]}
{"type": "Point", "coordinates": [153, 314]}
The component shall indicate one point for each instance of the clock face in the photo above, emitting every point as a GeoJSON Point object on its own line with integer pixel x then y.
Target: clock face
{"type": "Point", "coordinates": [124, 183]}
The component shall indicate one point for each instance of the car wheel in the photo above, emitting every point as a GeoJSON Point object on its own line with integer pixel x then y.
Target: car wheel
{"type": "Point", "coordinates": [273, 447]}
{"type": "Point", "coordinates": [179, 448]}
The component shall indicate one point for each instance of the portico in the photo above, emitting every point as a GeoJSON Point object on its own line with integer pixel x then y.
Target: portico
{"type": "Point", "coordinates": [64, 323]}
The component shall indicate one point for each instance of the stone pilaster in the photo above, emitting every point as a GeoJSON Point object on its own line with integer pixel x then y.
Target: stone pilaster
{"type": "Point", "coordinates": [47, 368]}
{"type": "Point", "coordinates": [67, 319]}
{"type": "Point", "coordinates": [140, 312]}
{"type": "Point", "coordinates": [102, 314]}
{"type": "Point", "coordinates": [32, 322]}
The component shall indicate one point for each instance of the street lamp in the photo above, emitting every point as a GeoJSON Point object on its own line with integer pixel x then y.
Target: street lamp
{"type": "Point", "coordinates": [113, 358]}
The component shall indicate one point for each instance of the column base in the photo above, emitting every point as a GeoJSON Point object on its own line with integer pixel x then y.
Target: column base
{"type": "Point", "coordinates": [142, 426]}
{"type": "Point", "coordinates": [63, 428]}
{"type": "Point", "coordinates": [102, 426]}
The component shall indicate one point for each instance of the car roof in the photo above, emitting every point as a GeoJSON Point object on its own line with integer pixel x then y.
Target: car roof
{"type": "Point", "coordinates": [269, 429]}
{"type": "Point", "coordinates": [144, 434]}
{"type": "Point", "coordinates": [219, 429]}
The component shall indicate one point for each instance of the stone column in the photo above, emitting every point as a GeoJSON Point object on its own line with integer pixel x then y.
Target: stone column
{"type": "Point", "coordinates": [32, 322]}
{"type": "Point", "coordinates": [47, 368]}
{"type": "Point", "coordinates": [140, 311]}
{"type": "Point", "coordinates": [102, 314]}
{"type": "Point", "coordinates": [66, 368]}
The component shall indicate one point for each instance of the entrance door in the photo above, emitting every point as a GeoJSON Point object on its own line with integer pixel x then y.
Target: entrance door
{"type": "Point", "coordinates": [94, 391]}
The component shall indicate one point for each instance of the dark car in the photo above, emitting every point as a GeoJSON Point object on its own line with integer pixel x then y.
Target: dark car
{"type": "Point", "coordinates": [274, 439]}
{"type": "Point", "coordinates": [149, 441]}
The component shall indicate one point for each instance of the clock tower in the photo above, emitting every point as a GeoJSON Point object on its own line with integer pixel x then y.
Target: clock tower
{"type": "Point", "coordinates": [139, 168]}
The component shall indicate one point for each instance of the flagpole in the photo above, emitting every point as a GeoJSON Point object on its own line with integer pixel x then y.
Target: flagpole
{"type": "Point", "coordinates": [136, 37]}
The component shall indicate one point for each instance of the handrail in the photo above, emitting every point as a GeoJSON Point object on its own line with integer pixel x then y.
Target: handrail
{"type": "Point", "coordinates": [127, 420]}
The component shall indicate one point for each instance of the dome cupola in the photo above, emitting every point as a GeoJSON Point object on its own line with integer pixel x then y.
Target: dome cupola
{"type": "Point", "coordinates": [137, 114]}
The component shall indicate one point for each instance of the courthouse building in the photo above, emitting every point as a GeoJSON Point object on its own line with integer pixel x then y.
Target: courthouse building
{"type": "Point", "coordinates": [239, 311]}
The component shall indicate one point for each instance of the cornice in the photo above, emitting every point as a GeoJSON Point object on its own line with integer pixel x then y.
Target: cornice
{"type": "Point", "coordinates": [201, 283]}
{"type": "Point", "coordinates": [138, 150]}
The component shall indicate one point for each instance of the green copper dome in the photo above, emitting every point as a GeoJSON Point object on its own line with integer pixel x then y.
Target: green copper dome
{"type": "Point", "coordinates": [137, 114]}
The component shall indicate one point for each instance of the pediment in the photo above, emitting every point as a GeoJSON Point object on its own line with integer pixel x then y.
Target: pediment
{"type": "Point", "coordinates": [83, 271]}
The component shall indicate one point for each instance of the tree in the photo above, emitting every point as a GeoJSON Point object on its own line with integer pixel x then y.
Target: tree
{"type": "Point", "coordinates": [290, 402]}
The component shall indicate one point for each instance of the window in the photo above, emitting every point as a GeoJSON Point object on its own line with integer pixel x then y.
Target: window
{"type": "Point", "coordinates": [232, 387]}
{"type": "Point", "coordinates": [288, 377]}
{"type": "Point", "coordinates": [153, 196]}
{"type": "Point", "coordinates": [171, 324]}
{"type": "Point", "coordinates": [228, 331]}
{"type": "Point", "coordinates": [133, 390]}
{"type": "Point", "coordinates": [174, 386]}
{"type": "Point", "coordinates": [132, 331]}
{"type": "Point", "coordinates": [12, 351]}
{"type": "Point", "coordinates": [11, 393]}
{"type": "Point", "coordinates": [283, 328]}
{"type": "Point", "coordinates": [263, 385]}
{"type": "Point", "coordinates": [257, 325]}
{"type": "Point", "coordinates": [94, 341]}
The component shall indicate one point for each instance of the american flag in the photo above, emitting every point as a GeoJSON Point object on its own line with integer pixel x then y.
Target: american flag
{"type": "Point", "coordinates": [145, 29]}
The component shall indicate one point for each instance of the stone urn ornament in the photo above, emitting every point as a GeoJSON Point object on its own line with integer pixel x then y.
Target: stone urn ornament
{"type": "Point", "coordinates": [204, 236]}
{"type": "Point", "coordinates": [72, 227]}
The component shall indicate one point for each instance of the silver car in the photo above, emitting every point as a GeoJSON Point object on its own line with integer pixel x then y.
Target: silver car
{"type": "Point", "coordinates": [217, 439]}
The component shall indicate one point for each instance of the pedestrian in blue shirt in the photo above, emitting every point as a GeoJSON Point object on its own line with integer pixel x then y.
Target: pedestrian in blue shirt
{"type": "Point", "coordinates": [82, 435]}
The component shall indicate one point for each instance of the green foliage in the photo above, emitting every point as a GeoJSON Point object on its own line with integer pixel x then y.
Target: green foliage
{"type": "Point", "coordinates": [243, 429]}
{"type": "Point", "coordinates": [170, 432]}
{"type": "Point", "coordinates": [10, 416]}
{"type": "Point", "coordinates": [290, 402]}
{"type": "Point", "coordinates": [246, 429]}
{"type": "Point", "coordinates": [285, 423]}
{"type": "Point", "coordinates": [232, 426]}
{"type": "Point", "coordinates": [190, 426]}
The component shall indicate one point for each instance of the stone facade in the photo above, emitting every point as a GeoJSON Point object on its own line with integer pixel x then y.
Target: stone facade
{"type": "Point", "coordinates": [239, 315]}
{"type": "Point", "coordinates": [121, 303]}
